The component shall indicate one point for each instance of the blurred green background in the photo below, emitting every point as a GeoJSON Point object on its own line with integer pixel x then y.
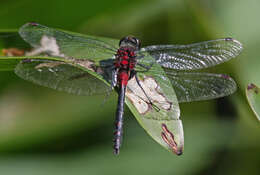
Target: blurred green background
{"type": "Point", "coordinates": [43, 131]}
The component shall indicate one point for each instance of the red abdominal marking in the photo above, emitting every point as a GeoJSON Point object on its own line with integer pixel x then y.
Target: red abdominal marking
{"type": "Point", "coordinates": [123, 78]}
{"type": "Point", "coordinates": [124, 62]}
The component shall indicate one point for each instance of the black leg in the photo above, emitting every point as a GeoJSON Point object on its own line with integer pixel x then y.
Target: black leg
{"type": "Point", "coordinates": [150, 102]}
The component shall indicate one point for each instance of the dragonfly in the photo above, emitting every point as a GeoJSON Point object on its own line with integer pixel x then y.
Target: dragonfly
{"type": "Point", "coordinates": [133, 71]}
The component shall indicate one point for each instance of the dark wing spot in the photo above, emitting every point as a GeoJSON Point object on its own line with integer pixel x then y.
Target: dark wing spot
{"type": "Point", "coordinates": [229, 39]}
{"type": "Point", "coordinates": [225, 76]}
{"type": "Point", "coordinates": [33, 23]}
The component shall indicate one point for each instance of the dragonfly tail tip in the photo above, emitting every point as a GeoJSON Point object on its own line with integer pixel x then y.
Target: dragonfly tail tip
{"type": "Point", "coordinates": [116, 151]}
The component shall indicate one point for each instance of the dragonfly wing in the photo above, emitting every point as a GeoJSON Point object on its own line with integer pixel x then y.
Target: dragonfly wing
{"type": "Point", "coordinates": [194, 56]}
{"type": "Point", "coordinates": [60, 76]}
{"type": "Point", "coordinates": [193, 86]}
{"type": "Point", "coordinates": [67, 44]}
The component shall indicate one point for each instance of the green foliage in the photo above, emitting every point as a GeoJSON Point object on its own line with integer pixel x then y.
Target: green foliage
{"type": "Point", "coordinates": [222, 136]}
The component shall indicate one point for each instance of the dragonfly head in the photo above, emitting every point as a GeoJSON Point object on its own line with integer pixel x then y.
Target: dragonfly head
{"type": "Point", "coordinates": [130, 41]}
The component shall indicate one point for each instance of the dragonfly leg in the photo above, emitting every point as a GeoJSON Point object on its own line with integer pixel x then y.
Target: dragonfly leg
{"type": "Point", "coordinates": [150, 101]}
{"type": "Point", "coordinates": [140, 56]}
{"type": "Point", "coordinates": [142, 65]}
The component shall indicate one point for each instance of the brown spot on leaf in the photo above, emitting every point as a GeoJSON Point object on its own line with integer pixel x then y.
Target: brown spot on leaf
{"type": "Point", "coordinates": [13, 52]}
{"type": "Point", "coordinates": [168, 138]}
{"type": "Point", "coordinates": [254, 87]}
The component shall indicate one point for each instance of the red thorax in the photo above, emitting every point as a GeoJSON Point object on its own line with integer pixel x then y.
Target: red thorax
{"type": "Point", "coordinates": [125, 62]}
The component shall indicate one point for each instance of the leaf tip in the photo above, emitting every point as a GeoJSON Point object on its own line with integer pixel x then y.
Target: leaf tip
{"type": "Point", "coordinates": [168, 138]}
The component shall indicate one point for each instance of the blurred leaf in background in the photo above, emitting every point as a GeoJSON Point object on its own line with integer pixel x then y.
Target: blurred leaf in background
{"type": "Point", "coordinates": [253, 98]}
{"type": "Point", "coordinates": [48, 132]}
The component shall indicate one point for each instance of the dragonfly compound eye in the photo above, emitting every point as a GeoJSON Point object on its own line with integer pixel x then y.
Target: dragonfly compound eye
{"type": "Point", "coordinates": [138, 42]}
{"type": "Point", "coordinates": [130, 41]}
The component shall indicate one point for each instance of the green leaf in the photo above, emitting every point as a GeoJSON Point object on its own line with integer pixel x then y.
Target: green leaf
{"type": "Point", "coordinates": [163, 125]}
{"type": "Point", "coordinates": [253, 98]}
{"type": "Point", "coordinates": [8, 64]}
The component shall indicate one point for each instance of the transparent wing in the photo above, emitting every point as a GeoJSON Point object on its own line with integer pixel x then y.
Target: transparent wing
{"type": "Point", "coordinates": [60, 76]}
{"type": "Point", "coordinates": [67, 44]}
{"type": "Point", "coordinates": [194, 56]}
{"type": "Point", "coordinates": [201, 86]}
{"type": "Point", "coordinates": [195, 86]}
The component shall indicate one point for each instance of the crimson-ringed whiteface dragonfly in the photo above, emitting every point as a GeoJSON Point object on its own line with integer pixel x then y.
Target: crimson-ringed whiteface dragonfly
{"type": "Point", "coordinates": [153, 78]}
